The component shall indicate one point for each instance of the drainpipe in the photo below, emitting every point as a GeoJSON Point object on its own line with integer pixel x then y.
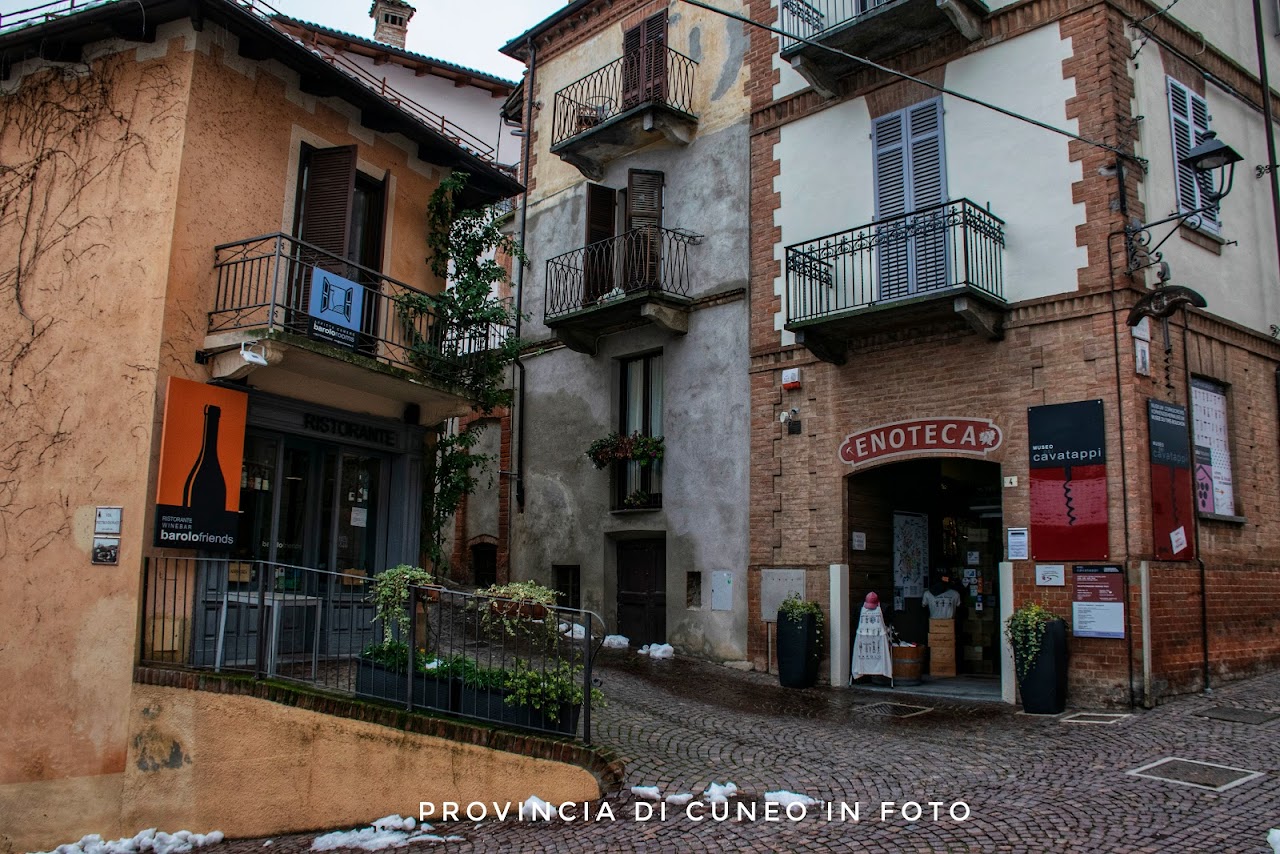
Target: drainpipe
{"type": "Point", "coordinates": [1145, 576]}
{"type": "Point", "coordinates": [524, 222]}
{"type": "Point", "coordinates": [1195, 516]}
{"type": "Point", "coordinates": [1267, 119]}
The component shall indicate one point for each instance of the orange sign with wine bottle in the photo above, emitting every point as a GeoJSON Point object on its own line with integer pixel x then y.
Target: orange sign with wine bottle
{"type": "Point", "coordinates": [201, 452]}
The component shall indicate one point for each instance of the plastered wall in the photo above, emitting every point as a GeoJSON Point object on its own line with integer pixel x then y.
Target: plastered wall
{"type": "Point", "coordinates": [204, 761]}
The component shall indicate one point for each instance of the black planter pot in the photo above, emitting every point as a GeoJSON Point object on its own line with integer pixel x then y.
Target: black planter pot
{"type": "Point", "coordinates": [797, 651]}
{"type": "Point", "coordinates": [491, 704]}
{"type": "Point", "coordinates": [1044, 688]}
{"type": "Point", "coordinates": [377, 682]}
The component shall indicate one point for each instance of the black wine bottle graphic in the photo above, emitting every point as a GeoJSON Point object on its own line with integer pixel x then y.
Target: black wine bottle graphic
{"type": "Point", "coordinates": [205, 491]}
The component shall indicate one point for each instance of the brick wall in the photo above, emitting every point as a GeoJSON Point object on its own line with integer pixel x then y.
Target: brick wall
{"type": "Point", "coordinates": [1070, 347]}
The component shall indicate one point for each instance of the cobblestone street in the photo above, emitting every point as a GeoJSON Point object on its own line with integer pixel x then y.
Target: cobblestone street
{"type": "Point", "coordinates": [1031, 784]}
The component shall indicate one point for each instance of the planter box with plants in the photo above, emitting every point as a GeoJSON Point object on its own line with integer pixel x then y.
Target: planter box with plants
{"type": "Point", "coordinates": [380, 675]}
{"type": "Point", "coordinates": [545, 699]}
{"type": "Point", "coordinates": [381, 669]}
{"type": "Point", "coordinates": [520, 610]}
{"type": "Point", "coordinates": [800, 624]}
{"type": "Point", "coordinates": [1039, 640]}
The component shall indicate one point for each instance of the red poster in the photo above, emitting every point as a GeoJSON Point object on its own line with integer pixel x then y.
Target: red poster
{"type": "Point", "coordinates": [1069, 513]}
{"type": "Point", "coordinates": [1171, 488]}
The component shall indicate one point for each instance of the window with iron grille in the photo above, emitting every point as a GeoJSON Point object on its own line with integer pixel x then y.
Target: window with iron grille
{"type": "Point", "coordinates": [638, 484]}
{"type": "Point", "coordinates": [1189, 120]}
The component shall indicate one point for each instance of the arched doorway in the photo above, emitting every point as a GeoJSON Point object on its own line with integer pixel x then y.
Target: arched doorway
{"type": "Point", "coordinates": [933, 525]}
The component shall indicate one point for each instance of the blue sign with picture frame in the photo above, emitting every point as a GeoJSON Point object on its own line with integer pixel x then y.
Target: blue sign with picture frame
{"type": "Point", "coordinates": [336, 306]}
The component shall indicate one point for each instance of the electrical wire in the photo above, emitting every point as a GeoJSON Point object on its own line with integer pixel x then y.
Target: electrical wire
{"type": "Point", "coordinates": [945, 91]}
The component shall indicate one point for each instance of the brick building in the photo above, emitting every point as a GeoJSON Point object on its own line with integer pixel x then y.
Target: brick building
{"type": "Point", "coordinates": [922, 265]}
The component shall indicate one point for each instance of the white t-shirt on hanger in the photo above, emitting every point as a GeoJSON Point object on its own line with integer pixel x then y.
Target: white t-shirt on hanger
{"type": "Point", "coordinates": [942, 606]}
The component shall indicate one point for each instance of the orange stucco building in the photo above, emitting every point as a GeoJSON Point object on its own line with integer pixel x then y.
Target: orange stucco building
{"type": "Point", "coordinates": [181, 181]}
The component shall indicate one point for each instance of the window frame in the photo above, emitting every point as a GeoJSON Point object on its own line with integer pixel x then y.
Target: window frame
{"type": "Point", "coordinates": [625, 474]}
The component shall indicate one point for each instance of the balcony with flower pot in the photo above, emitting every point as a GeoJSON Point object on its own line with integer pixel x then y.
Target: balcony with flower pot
{"type": "Point", "coordinates": [635, 465]}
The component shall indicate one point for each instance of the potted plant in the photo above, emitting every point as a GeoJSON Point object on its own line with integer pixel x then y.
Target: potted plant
{"type": "Point", "coordinates": [519, 599]}
{"type": "Point", "coordinates": [382, 670]}
{"type": "Point", "coordinates": [1039, 640]}
{"type": "Point", "coordinates": [381, 675]}
{"type": "Point", "coordinates": [636, 448]}
{"type": "Point", "coordinates": [800, 624]}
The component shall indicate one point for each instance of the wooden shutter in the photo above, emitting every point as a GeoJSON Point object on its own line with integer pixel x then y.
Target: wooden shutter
{"type": "Point", "coordinates": [910, 176]}
{"type": "Point", "coordinates": [889, 147]}
{"type": "Point", "coordinates": [327, 202]}
{"type": "Point", "coordinates": [654, 63]}
{"type": "Point", "coordinates": [1189, 121]}
{"type": "Point", "coordinates": [644, 61]}
{"type": "Point", "coordinates": [928, 188]}
{"type": "Point", "coordinates": [644, 228]}
{"type": "Point", "coordinates": [631, 62]}
{"type": "Point", "coordinates": [599, 252]}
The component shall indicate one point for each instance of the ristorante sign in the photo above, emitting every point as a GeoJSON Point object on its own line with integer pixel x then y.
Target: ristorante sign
{"type": "Point", "coordinates": [975, 437]}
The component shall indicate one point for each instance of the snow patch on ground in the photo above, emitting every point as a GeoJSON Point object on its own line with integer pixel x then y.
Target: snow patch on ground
{"type": "Point", "coordinates": [392, 831]}
{"type": "Point", "coordinates": [616, 642]}
{"type": "Point", "coordinates": [717, 794]}
{"type": "Point", "coordinates": [658, 650]}
{"type": "Point", "coordinates": [649, 793]}
{"type": "Point", "coordinates": [786, 799]}
{"type": "Point", "coordinates": [148, 840]}
{"type": "Point", "coordinates": [536, 809]}
{"type": "Point", "coordinates": [680, 800]}
{"type": "Point", "coordinates": [577, 631]}
{"type": "Point", "coordinates": [1273, 839]}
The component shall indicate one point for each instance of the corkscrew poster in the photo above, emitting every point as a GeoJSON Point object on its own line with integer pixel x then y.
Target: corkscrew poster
{"type": "Point", "coordinates": [1172, 498]}
{"type": "Point", "coordinates": [201, 452]}
{"type": "Point", "coordinates": [1068, 481]}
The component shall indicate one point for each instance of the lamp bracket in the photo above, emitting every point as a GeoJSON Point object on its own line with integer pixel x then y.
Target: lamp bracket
{"type": "Point", "coordinates": [1138, 236]}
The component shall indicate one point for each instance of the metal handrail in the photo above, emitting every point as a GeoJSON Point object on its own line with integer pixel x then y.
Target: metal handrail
{"type": "Point", "coordinates": [949, 245]}
{"type": "Point", "coordinates": [641, 260]}
{"type": "Point", "coordinates": [319, 627]}
{"type": "Point", "coordinates": [264, 283]}
{"type": "Point", "coordinates": [655, 74]}
{"type": "Point", "coordinates": [810, 19]}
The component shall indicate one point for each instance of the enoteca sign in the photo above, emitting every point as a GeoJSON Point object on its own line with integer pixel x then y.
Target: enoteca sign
{"type": "Point", "coordinates": [974, 437]}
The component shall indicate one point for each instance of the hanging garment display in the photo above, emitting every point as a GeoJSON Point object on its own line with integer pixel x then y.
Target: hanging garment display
{"type": "Point", "coordinates": [871, 656]}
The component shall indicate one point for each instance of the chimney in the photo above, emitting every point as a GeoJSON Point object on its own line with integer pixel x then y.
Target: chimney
{"type": "Point", "coordinates": [391, 21]}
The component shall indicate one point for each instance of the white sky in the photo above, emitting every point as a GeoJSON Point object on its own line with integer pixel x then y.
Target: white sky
{"type": "Point", "coordinates": [465, 32]}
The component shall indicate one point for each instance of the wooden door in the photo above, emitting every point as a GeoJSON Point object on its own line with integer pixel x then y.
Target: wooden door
{"type": "Point", "coordinates": [642, 590]}
{"type": "Point", "coordinates": [597, 266]}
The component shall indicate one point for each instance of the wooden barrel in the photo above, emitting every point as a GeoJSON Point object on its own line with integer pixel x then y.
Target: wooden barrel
{"type": "Point", "coordinates": [908, 664]}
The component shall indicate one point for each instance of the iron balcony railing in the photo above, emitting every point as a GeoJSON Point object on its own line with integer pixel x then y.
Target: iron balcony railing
{"type": "Point", "coordinates": [654, 74]}
{"type": "Point", "coordinates": [641, 260]}
{"type": "Point", "coordinates": [954, 244]}
{"type": "Point", "coordinates": [809, 19]}
{"type": "Point", "coordinates": [266, 282]}
{"type": "Point", "coordinates": [473, 653]}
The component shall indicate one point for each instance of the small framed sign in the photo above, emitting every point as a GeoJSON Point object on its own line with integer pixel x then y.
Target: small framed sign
{"type": "Point", "coordinates": [106, 551]}
{"type": "Point", "coordinates": [106, 521]}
